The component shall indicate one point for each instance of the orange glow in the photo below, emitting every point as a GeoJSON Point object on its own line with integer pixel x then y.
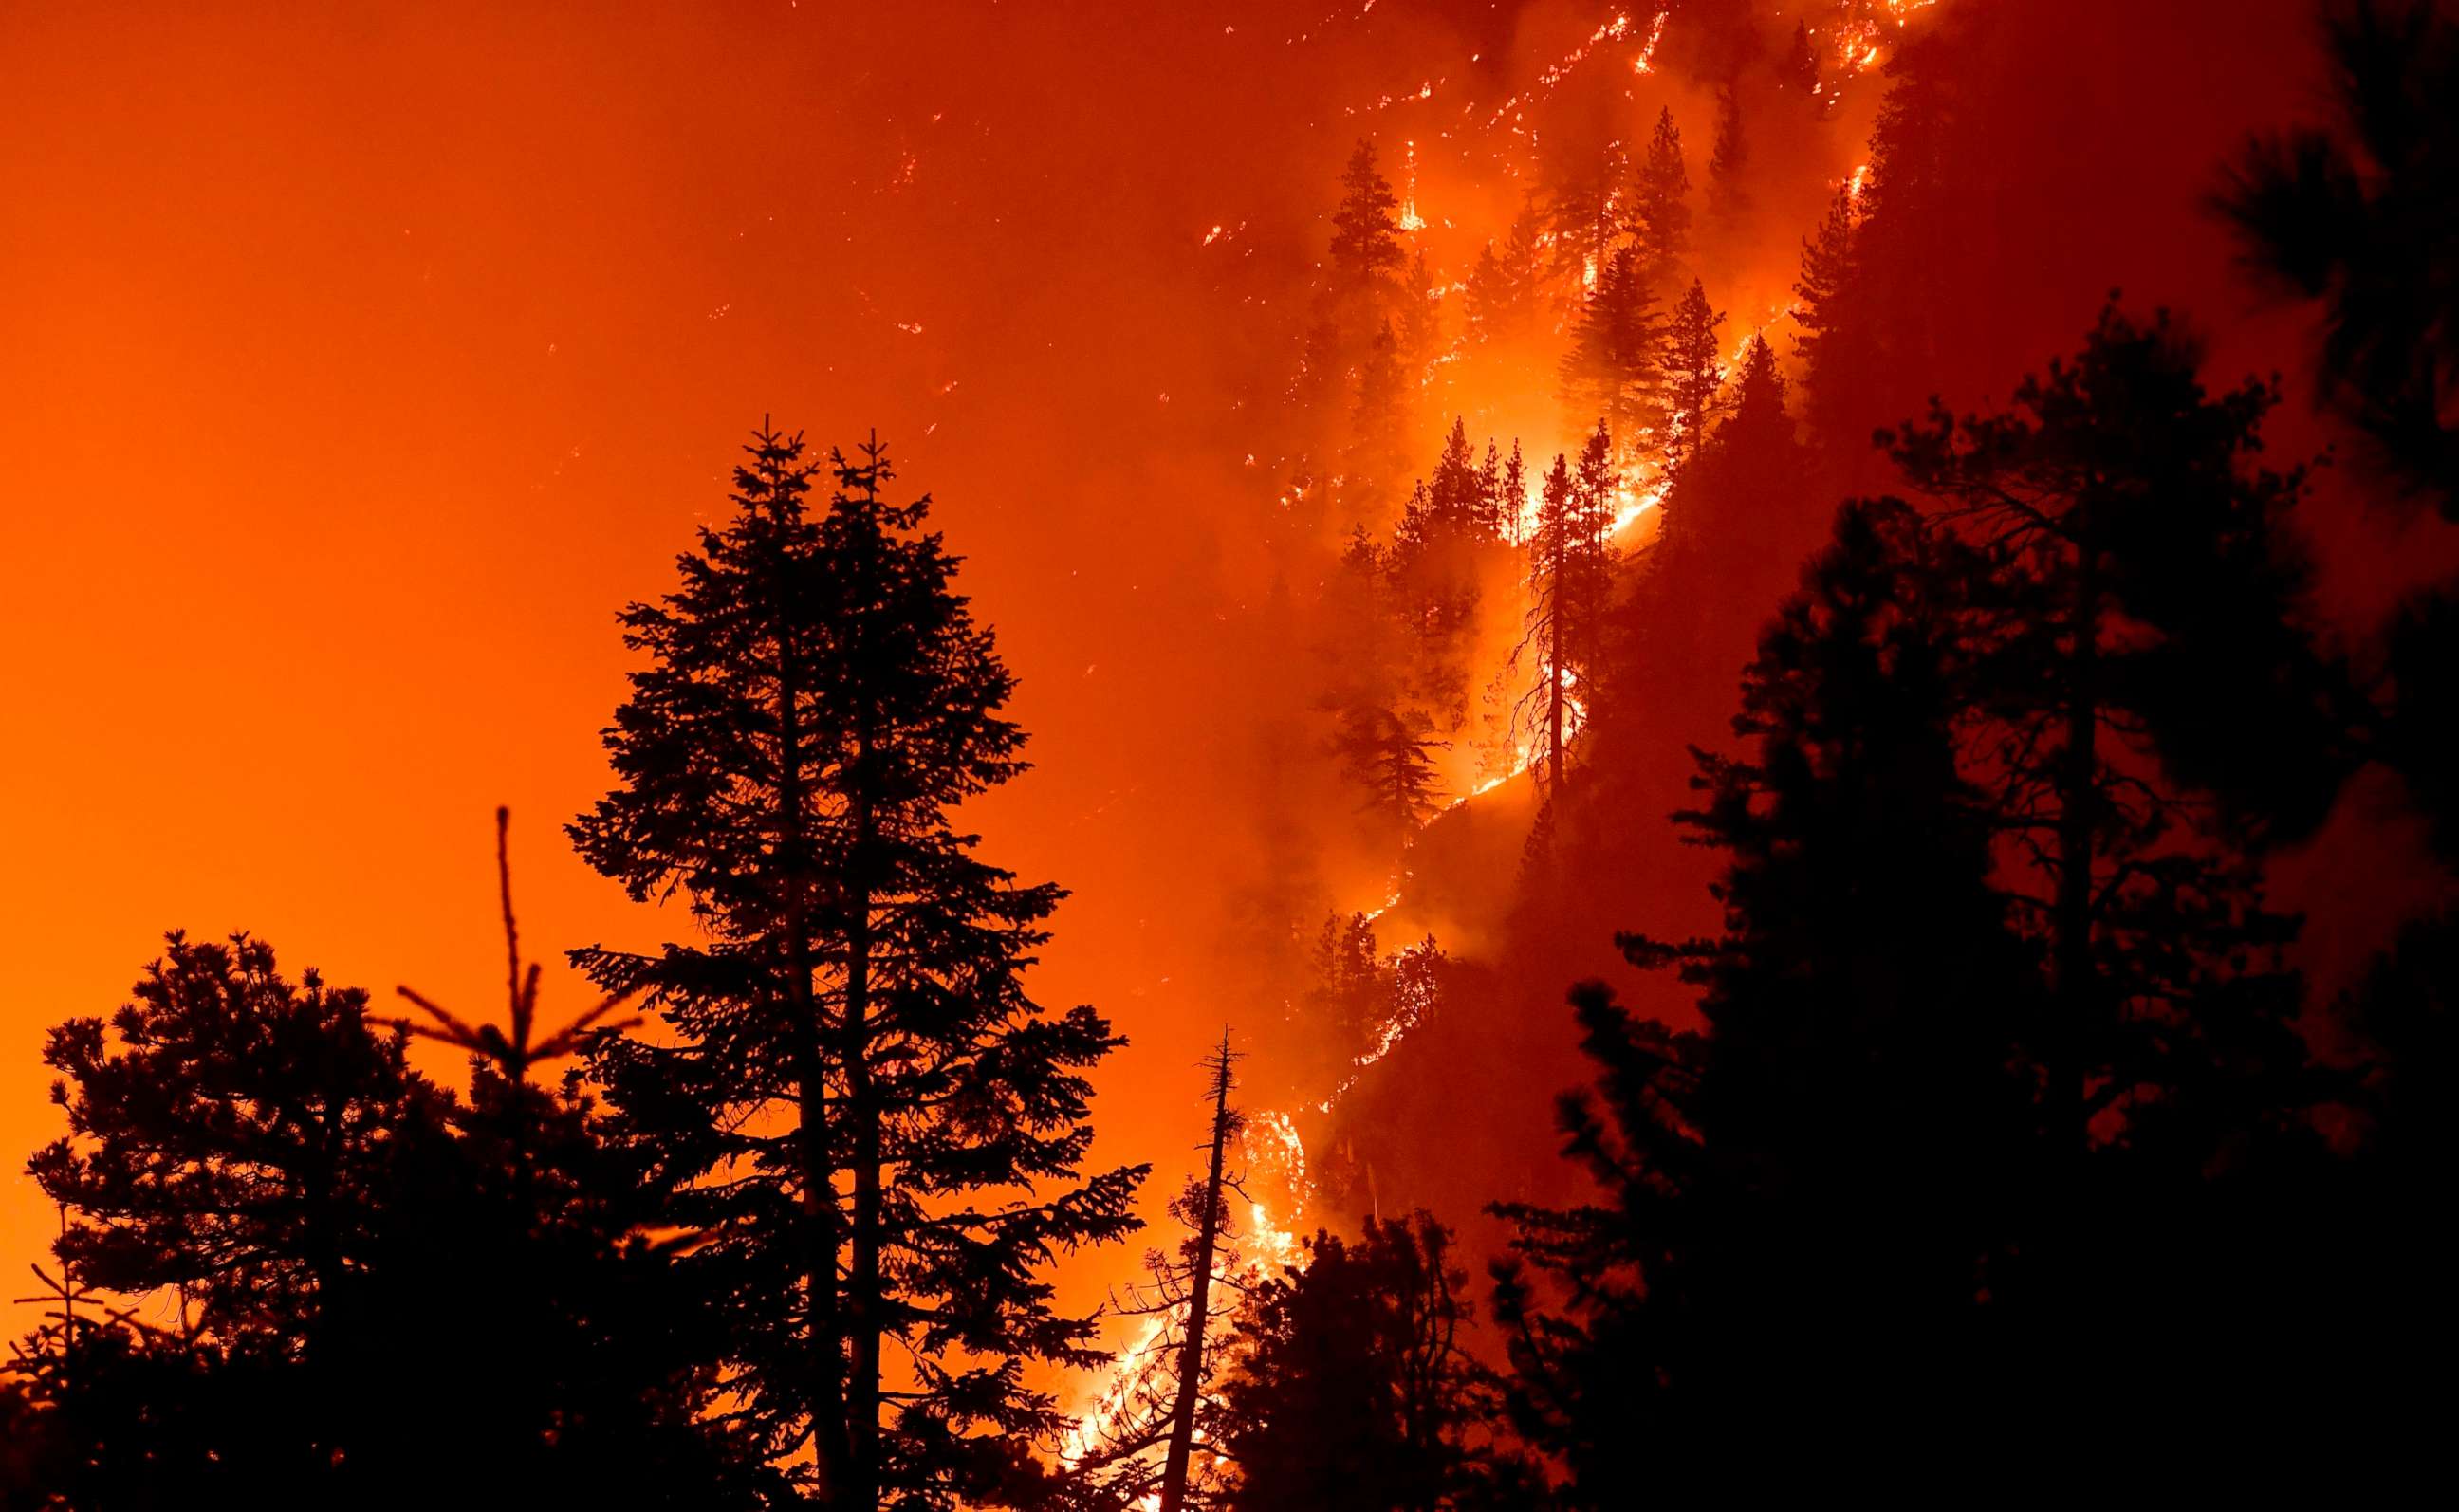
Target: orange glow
{"type": "Point", "coordinates": [356, 369]}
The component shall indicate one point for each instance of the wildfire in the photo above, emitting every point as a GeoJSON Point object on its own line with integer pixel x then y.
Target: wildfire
{"type": "Point", "coordinates": [1278, 1210]}
{"type": "Point", "coordinates": [1614, 30]}
{"type": "Point", "coordinates": [1410, 219]}
{"type": "Point", "coordinates": [1645, 62]}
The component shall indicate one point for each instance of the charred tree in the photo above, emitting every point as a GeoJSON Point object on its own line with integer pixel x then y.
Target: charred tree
{"type": "Point", "coordinates": [1199, 1296]}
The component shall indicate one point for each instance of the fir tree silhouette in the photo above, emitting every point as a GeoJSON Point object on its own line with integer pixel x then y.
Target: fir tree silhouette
{"type": "Point", "coordinates": [875, 1135]}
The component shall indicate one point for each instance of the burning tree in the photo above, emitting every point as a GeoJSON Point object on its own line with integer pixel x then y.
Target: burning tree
{"type": "Point", "coordinates": [874, 1134]}
{"type": "Point", "coordinates": [1579, 199]}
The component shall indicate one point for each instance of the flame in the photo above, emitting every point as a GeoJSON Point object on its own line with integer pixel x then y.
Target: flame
{"type": "Point", "coordinates": [1643, 63]}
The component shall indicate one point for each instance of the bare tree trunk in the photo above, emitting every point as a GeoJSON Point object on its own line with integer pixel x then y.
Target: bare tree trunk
{"type": "Point", "coordinates": [1190, 1358]}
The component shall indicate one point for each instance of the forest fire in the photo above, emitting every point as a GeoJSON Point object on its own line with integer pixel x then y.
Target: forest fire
{"type": "Point", "coordinates": [1656, 651]}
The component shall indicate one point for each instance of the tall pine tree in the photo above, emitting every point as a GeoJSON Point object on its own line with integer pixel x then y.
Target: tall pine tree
{"type": "Point", "coordinates": [1694, 374]}
{"type": "Point", "coordinates": [1660, 207]}
{"type": "Point", "coordinates": [878, 1134]}
{"type": "Point", "coordinates": [1612, 375]}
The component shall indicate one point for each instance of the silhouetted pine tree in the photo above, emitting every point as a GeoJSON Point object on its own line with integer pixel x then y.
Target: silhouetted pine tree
{"type": "Point", "coordinates": [1378, 427]}
{"type": "Point", "coordinates": [1570, 574]}
{"type": "Point", "coordinates": [1834, 342]}
{"type": "Point", "coordinates": [1728, 534]}
{"type": "Point", "coordinates": [1695, 375]}
{"type": "Point", "coordinates": [1613, 373]}
{"type": "Point", "coordinates": [1909, 213]}
{"type": "Point", "coordinates": [1366, 254]}
{"type": "Point", "coordinates": [1660, 207]}
{"type": "Point", "coordinates": [1383, 697]}
{"type": "Point", "coordinates": [1437, 559]}
{"type": "Point", "coordinates": [1156, 1438]}
{"type": "Point", "coordinates": [1350, 1384]}
{"type": "Point", "coordinates": [1502, 296]}
{"type": "Point", "coordinates": [1783, 1217]}
{"type": "Point", "coordinates": [1580, 169]}
{"type": "Point", "coordinates": [1211, 1217]}
{"type": "Point", "coordinates": [321, 1219]}
{"type": "Point", "coordinates": [877, 1134]}
{"type": "Point", "coordinates": [1388, 752]}
{"type": "Point", "coordinates": [2149, 647]}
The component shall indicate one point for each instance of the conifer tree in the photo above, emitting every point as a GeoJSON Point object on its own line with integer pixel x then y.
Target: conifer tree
{"type": "Point", "coordinates": [1759, 417]}
{"type": "Point", "coordinates": [1694, 374]}
{"type": "Point", "coordinates": [1581, 174]}
{"type": "Point", "coordinates": [1351, 987]}
{"type": "Point", "coordinates": [1613, 373]}
{"type": "Point", "coordinates": [1775, 1237]}
{"type": "Point", "coordinates": [1501, 296]}
{"type": "Point", "coordinates": [1569, 562]}
{"type": "Point", "coordinates": [1378, 427]}
{"type": "Point", "coordinates": [1508, 498]}
{"type": "Point", "coordinates": [1378, 690]}
{"type": "Point", "coordinates": [877, 1135]}
{"type": "Point", "coordinates": [1660, 207]}
{"type": "Point", "coordinates": [1352, 1384]}
{"type": "Point", "coordinates": [255, 1152]}
{"type": "Point", "coordinates": [2145, 607]}
{"type": "Point", "coordinates": [1435, 557]}
{"type": "Point", "coordinates": [1367, 259]}
{"type": "Point", "coordinates": [1210, 1219]}
{"type": "Point", "coordinates": [1728, 195]}
{"type": "Point", "coordinates": [1388, 753]}
{"type": "Point", "coordinates": [1912, 212]}
{"type": "Point", "coordinates": [1835, 339]}
{"type": "Point", "coordinates": [1157, 1427]}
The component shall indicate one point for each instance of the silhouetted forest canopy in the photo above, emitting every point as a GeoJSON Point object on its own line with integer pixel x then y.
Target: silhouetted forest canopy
{"type": "Point", "coordinates": [1773, 944]}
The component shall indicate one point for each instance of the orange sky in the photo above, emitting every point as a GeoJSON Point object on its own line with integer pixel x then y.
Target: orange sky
{"type": "Point", "coordinates": [354, 371]}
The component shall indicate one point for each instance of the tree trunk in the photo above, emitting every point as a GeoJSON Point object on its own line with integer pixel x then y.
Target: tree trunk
{"type": "Point", "coordinates": [1554, 667]}
{"type": "Point", "coordinates": [1191, 1356]}
{"type": "Point", "coordinates": [862, 1396]}
{"type": "Point", "coordinates": [829, 1446]}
